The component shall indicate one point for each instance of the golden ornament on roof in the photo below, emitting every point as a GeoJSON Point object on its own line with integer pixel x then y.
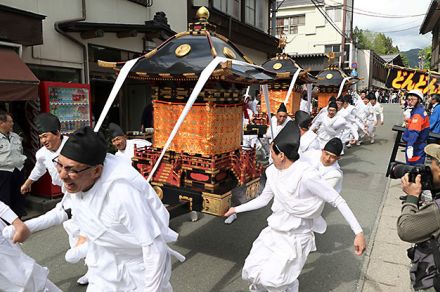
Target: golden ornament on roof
{"type": "Point", "coordinates": [277, 66]}
{"type": "Point", "coordinates": [183, 50]}
{"type": "Point", "coordinates": [229, 53]}
{"type": "Point", "coordinates": [202, 13]}
{"type": "Point", "coordinates": [329, 76]}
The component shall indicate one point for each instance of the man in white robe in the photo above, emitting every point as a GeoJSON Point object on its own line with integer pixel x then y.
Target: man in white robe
{"type": "Point", "coordinates": [18, 271]}
{"type": "Point", "coordinates": [326, 162]}
{"type": "Point", "coordinates": [49, 133]}
{"type": "Point", "coordinates": [328, 126]}
{"type": "Point", "coordinates": [371, 118]}
{"type": "Point", "coordinates": [280, 251]}
{"type": "Point", "coordinates": [378, 111]}
{"type": "Point", "coordinates": [323, 111]}
{"type": "Point", "coordinates": [349, 113]}
{"type": "Point", "coordinates": [309, 140]}
{"type": "Point", "coordinates": [125, 146]}
{"type": "Point", "coordinates": [279, 121]}
{"type": "Point", "coordinates": [125, 223]}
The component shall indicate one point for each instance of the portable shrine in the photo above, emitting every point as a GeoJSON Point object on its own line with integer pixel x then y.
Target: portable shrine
{"type": "Point", "coordinates": [205, 163]}
{"type": "Point", "coordinates": [285, 67]}
{"type": "Point", "coordinates": [330, 81]}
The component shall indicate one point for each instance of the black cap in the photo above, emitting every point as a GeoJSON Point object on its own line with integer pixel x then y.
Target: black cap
{"type": "Point", "coordinates": [333, 105]}
{"type": "Point", "coordinates": [85, 146]}
{"type": "Point", "coordinates": [287, 140]}
{"type": "Point", "coordinates": [282, 108]}
{"type": "Point", "coordinates": [47, 122]}
{"type": "Point", "coordinates": [331, 99]}
{"type": "Point", "coordinates": [334, 146]}
{"type": "Point", "coordinates": [347, 98]}
{"type": "Point", "coordinates": [371, 96]}
{"type": "Point", "coordinates": [115, 130]}
{"type": "Point", "coordinates": [303, 119]}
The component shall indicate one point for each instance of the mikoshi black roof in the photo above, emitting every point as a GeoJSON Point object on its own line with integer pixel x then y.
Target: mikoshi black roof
{"type": "Point", "coordinates": [285, 67]}
{"type": "Point", "coordinates": [332, 77]}
{"type": "Point", "coordinates": [184, 56]}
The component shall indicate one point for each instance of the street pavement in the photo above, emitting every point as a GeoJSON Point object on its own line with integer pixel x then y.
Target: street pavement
{"type": "Point", "coordinates": [216, 252]}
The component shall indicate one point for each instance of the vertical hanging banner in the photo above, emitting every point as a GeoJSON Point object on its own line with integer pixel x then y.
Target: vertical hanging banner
{"type": "Point", "coordinates": [408, 79]}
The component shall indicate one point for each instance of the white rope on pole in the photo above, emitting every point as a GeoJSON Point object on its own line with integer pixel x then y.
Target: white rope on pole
{"type": "Point", "coordinates": [206, 73]}
{"type": "Point", "coordinates": [292, 83]}
{"type": "Point", "coordinates": [341, 87]}
{"type": "Point", "coordinates": [204, 76]}
{"type": "Point", "coordinates": [265, 90]}
{"type": "Point", "coordinates": [116, 87]}
{"type": "Point", "coordinates": [309, 96]}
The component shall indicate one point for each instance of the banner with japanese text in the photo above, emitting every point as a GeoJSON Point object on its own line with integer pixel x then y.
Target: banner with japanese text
{"type": "Point", "coordinates": [409, 79]}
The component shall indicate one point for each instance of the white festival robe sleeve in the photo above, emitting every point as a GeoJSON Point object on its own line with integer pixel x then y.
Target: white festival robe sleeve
{"type": "Point", "coordinates": [134, 216]}
{"type": "Point", "coordinates": [6, 213]}
{"type": "Point", "coordinates": [322, 189]}
{"type": "Point", "coordinates": [316, 123]}
{"type": "Point", "coordinates": [39, 169]}
{"type": "Point", "coordinates": [259, 202]}
{"type": "Point", "coordinates": [51, 218]}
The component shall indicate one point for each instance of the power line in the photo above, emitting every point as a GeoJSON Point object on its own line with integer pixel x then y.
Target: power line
{"type": "Point", "coordinates": [406, 23]}
{"type": "Point", "coordinates": [408, 28]}
{"type": "Point", "coordinates": [327, 17]}
{"type": "Point", "coordinates": [350, 8]}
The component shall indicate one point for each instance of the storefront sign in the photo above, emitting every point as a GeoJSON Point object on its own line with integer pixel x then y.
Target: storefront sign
{"type": "Point", "coordinates": [407, 79]}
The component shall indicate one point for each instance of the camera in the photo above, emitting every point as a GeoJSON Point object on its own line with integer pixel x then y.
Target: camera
{"type": "Point", "coordinates": [398, 170]}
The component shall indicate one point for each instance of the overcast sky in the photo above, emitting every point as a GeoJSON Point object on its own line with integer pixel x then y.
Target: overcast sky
{"type": "Point", "coordinates": [407, 39]}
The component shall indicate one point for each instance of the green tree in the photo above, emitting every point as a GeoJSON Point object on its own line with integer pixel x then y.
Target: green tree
{"type": "Point", "coordinates": [405, 59]}
{"type": "Point", "coordinates": [425, 55]}
{"type": "Point", "coordinates": [375, 41]}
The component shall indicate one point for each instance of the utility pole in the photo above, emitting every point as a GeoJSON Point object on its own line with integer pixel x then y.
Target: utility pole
{"type": "Point", "coordinates": [274, 18]}
{"type": "Point", "coordinates": [344, 19]}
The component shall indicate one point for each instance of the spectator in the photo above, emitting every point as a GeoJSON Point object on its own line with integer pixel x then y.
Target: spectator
{"type": "Point", "coordinates": [419, 224]}
{"type": "Point", "coordinates": [11, 163]}
{"type": "Point", "coordinates": [417, 130]}
{"type": "Point", "coordinates": [434, 119]}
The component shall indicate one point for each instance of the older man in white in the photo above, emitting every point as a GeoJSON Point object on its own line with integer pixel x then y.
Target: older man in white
{"type": "Point", "coordinates": [125, 223]}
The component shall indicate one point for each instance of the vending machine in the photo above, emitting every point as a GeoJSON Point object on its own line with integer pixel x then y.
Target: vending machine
{"type": "Point", "coordinates": [71, 103]}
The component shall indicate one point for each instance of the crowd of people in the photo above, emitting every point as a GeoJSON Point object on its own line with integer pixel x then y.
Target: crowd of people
{"type": "Point", "coordinates": [353, 118]}
{"type": "Point", "coordinates": [118, 226]}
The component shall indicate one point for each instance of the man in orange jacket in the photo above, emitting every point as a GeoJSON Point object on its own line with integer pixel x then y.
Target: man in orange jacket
{"type": "Point", "coordinates": [417, 131]}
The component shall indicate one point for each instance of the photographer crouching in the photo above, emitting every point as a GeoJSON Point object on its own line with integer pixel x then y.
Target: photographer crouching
{"type": "Point", "coordinates": [419, 221]}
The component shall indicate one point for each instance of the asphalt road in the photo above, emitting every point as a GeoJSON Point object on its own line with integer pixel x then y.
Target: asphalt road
{"type": "Point", "coordinates": [216, 252]}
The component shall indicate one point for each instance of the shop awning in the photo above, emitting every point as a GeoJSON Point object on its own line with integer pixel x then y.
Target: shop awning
{"type": "Point", "coordinates": [17, 82]}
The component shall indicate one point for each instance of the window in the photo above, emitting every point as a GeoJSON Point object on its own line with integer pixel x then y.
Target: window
{"type": "Point", "coordinates": [230, 7]}
{"type": "Point", "coordinates": [282, 25]}
{"type": "Point", "coordinates": [57, 74]}
{"type": "Point", "coordinates": [201, 3]}
{"type": "Point", "coordinates": [296, 21]}
{"type": "Point", "coordinates": [335, 13]}
{"type": "Point", "coordinates": [250, 15]}
{"type": "Point", "coordinates": [293, 30]}
{"type": "Point", "coordinates": [289, 25]}
{"type": "Point", "coordinates": [333, 48]}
